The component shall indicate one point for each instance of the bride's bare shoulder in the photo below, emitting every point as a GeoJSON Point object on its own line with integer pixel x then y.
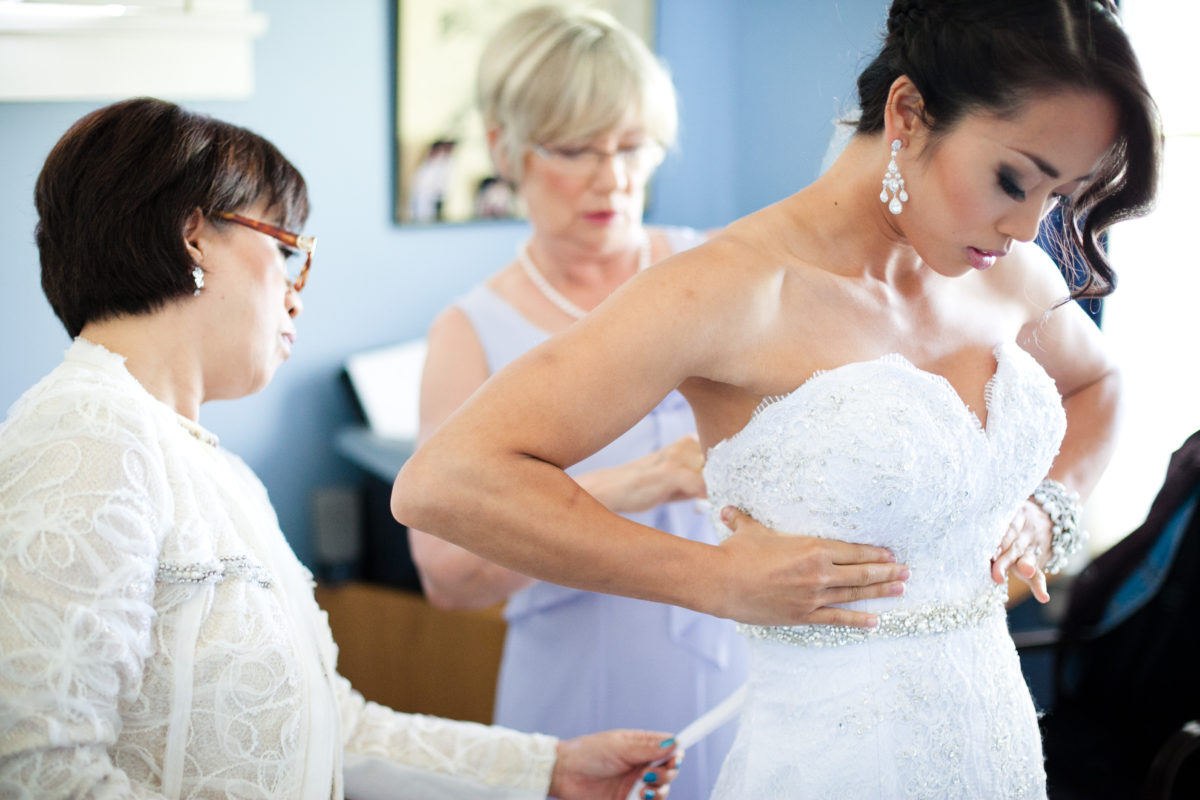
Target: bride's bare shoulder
{"type": "Point", "coordinates": [739, 262]}
{"type": "Point", "coordinates": [732, 298]}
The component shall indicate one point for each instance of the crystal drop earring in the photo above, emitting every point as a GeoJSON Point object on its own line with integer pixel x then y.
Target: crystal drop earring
{"type": "Point", "coordinates": [198, 277]}
{"type": "Point", "coordinates": [894, 183]}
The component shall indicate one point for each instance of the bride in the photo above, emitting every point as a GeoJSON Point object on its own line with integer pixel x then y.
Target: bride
{"type": "Point", "coordinates": [884, 358]}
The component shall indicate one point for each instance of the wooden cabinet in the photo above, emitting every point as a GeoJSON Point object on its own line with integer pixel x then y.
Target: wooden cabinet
{"type": "Point", "coordinates": [400, 651]}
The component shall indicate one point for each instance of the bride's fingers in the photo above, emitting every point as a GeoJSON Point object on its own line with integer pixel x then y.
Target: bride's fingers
{"type": "Point", "coordinates": [1035, 581]}
{"type": "Point", "coordinates": [848, 594]}
{"type": "Point", "coordinates": [1038, 585]}
{"type": "Point", "coordinates": [1012, 533]}
{"type": "Point", "coordinates": [1014, 547]}
{"type": "Point", "coordinates": [1022, 551]}
{"type": "Point", "coordinates": [1026, 566]}
{"type": "Point", "coordinates": [841, 616]}
{"type": "Point", "coordinates": [1005, 545]}
{"type": "Point", "coordinates": [866, 576]}
{"type": "Point", "coordinates": [1002, 562]}
{"type": "Point", "coordinates": [848, 554]}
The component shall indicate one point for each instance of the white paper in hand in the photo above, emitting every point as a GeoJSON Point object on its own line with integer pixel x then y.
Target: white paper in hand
{"type": "Point", "coordinates": [712, 719]}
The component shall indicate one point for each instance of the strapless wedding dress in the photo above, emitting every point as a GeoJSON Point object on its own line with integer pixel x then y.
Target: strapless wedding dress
{"type": "Point", "coordinates": [931, 704]}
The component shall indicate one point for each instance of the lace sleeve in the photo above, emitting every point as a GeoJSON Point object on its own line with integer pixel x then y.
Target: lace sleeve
{"type": "Point", "coordinates": [485, 754]}
{"type": "Point", "coordinates": [82, 496]}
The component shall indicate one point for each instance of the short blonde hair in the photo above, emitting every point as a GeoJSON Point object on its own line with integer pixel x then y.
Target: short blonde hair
{"type": "Point", "coordinates": [553, 74]}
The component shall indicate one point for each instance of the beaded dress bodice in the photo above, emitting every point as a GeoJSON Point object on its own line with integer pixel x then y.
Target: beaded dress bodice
{"type": "Point", "coordinates": [932, 704]}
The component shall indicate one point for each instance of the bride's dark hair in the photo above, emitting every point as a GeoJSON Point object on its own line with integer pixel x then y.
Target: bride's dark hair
{"type": "Point", "coordinates": [967, 56]}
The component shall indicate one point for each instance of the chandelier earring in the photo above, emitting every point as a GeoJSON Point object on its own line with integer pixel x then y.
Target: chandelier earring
{"type": "Point", "coordinates": [894, 183]}
{"type": "Point", "coordinates": [198, 277]}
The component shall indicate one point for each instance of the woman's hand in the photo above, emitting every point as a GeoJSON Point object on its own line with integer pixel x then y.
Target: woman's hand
{"type": "Point", "coordinates": [806, 575]}
{"type": "Point", "coordinates": [664, 476]}
{"type": "Point", "coordinates": [605, 766]}
{"type": "Point", "coordinates": [1025, 549]}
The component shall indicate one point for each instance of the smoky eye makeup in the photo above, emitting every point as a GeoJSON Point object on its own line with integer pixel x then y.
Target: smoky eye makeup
{"type": "Point", "coordinates": [1006, 177]}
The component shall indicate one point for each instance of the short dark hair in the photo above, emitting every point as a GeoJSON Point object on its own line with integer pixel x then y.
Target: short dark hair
{"type": "Point", "coordinates": [117, 189]}
{"type": "Point", "coordinates": [967, 56]}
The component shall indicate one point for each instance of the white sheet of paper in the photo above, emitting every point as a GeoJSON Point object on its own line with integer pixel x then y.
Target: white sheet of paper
{"type": "Point", "coordinates": [724, 711]}
{"type": "Point", "coordinates": [708, 722]}
{"type": "Point", "coordinates": [387, 381]}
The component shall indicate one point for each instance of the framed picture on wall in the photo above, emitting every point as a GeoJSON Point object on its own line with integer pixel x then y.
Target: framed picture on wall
{"type": "Point", "coordinates": [443, 170]}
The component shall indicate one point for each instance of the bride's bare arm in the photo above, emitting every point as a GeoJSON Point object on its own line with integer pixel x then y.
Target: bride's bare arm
{"type": "Point", "coordinates": [1071, 349]}
{"type": "Point", "coordinates": [491, 478]}
{"type": "Point", "coordinates": [454, 578]}
{"type": "Point", "coordinates": [455, 366]}
{"type": "Point", "coordinates": [1073, 352]}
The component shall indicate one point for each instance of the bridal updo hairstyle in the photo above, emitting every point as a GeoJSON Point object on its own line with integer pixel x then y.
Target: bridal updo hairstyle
{"type": "Point", "coordinates": [117, 189]}
{"type": "Point", "coordinates": [990, 56]}
{"type": "Point", "coordinates": [553, 75]}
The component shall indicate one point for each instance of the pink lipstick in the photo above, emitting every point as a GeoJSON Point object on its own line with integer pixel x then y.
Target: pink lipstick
{"type": "Point", "coordinates": [981, 259]}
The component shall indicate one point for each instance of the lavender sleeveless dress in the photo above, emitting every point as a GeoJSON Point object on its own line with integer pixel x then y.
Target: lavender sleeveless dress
{"type": "Point", "coordinates": [578, 662]}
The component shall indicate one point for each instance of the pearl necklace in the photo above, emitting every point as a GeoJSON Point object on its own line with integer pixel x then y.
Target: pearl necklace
{"type": "Point", "coordinates": [197, 432]}
{"type": "Point", "coordinates": [553, 295]}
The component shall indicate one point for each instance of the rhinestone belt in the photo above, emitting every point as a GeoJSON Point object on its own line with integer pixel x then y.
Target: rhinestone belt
{"type": "Point", "coordinates": [892, 624]}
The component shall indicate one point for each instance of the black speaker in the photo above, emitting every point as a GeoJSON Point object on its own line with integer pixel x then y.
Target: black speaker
{"type": "Point", "coordinates": [337, 513]}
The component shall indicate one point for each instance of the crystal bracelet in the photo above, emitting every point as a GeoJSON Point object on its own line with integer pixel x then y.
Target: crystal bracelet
{"type": "Point", "coordinates": [1062, 507]}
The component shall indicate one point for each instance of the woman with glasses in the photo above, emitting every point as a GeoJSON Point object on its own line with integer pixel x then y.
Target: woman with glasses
{"type": "Point", "coordinates": [158, 637]}
{"type": "Point", "coordinates": [578, 115]}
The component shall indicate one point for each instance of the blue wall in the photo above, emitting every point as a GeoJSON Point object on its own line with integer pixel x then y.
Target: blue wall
{"type": "Point", "coordinates": [759, 83]}
{"type": "Point", "coordinates": [796, 66]}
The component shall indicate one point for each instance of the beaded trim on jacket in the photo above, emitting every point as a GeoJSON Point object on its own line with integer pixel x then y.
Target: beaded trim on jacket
{"type": "Point", "coordinates": [223, 568]}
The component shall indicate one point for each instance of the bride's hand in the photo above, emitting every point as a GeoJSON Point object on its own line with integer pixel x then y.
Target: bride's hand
{"type": "Point", "coordinates": [1025, 549]}
{"type": "Point", "coordinates": [804, 574]}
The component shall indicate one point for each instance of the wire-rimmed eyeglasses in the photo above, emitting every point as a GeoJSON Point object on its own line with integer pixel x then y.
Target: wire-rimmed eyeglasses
{"type": "Point", "coordinates": [586, 161]}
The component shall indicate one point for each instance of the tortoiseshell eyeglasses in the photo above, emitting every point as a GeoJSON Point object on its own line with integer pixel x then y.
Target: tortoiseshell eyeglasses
{"type": "Point", "coordinates": [305, 244]}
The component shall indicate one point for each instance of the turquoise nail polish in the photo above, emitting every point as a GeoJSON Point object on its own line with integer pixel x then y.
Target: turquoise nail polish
{"type": "Point", "coordinates": [650, 777]}
{"type": "Point", "coordinates": [649, 795]}
{"type": "Point", "coordinates": [667, 742]}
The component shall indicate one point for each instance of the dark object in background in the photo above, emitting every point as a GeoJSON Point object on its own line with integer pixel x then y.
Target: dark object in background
{"type": "Point", "coordinates": [337, 514]}
{"type": "Point", "coordinates": [1070, 264]}
{"type": "Point", "coordinates": [386, 558]}
{"type": "Point", "coordinates": [1127, 664]}
{"type": "Point", "coordinates": [383, 556]}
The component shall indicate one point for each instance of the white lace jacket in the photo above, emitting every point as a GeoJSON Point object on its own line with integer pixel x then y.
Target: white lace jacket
{"type": "Point", "coordinates": [158, 637]}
